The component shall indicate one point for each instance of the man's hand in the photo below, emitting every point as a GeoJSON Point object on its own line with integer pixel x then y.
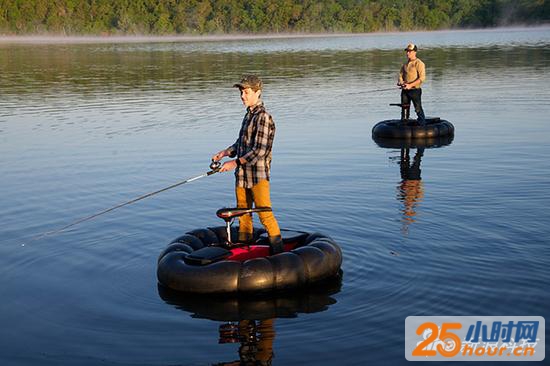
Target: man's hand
{"type": "Point", "coordinates": [408, 86]}
{"type": "Point", "coordinates": [228, 166]}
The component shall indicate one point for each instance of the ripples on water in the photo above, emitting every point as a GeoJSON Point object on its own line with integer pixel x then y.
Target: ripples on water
{"type": "Point", "coordinates": [84, 127]}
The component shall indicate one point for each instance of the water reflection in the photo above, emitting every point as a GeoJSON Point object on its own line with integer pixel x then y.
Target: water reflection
{"type": "Point", "coordinates": [410, 190]}
{"type": "Point", "coordinates": [58, 71]}
{"type": "Point", "coordinates": [250, 321]}
{"type": "Point", "coordinates": [255, 338]}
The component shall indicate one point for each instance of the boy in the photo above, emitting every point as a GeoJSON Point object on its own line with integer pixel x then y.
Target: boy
{"type": "Point", "coordinates": [252, 151]}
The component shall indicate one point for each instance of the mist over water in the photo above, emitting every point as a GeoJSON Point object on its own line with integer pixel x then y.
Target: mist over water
{"type": "Point", "coordinates": [86, 126]}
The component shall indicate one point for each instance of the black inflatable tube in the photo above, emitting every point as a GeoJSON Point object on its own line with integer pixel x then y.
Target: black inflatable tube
{"type": "Point", "coordinates": [398, 129]}
{"type": "Point", "coordinates": [316, 259]}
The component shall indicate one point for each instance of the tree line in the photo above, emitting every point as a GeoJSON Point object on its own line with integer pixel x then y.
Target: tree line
{"type": "Point", "coordinates": [162, 17]}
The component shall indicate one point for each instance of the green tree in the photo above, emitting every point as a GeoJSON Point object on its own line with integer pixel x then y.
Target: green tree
{"type": "Point", "coordinates": [245, 16]}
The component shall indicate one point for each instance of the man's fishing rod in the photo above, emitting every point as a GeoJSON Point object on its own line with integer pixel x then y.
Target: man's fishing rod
{"type": "Point", "coordinates": [214, 168]}
{"type": "Point", "coordinates": [372, 91]}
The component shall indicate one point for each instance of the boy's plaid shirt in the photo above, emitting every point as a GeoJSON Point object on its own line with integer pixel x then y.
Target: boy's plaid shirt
{"type": "Point", "coordinates": [254, 146]}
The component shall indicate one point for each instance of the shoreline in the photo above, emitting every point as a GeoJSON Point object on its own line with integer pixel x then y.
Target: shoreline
{"type": "Point", "coordinates": [89, 39]}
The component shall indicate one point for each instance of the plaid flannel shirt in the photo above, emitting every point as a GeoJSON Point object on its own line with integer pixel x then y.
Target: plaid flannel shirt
{"type": "Point", "coordinates": [253, 147]}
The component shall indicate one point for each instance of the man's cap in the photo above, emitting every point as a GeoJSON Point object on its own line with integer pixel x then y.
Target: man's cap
{"type": "Point", "coordinates": [411, 47]}
{"type": "Point", "coordinates": [250, 81]}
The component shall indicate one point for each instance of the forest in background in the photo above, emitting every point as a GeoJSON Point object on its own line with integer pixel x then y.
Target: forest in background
{"type": "Point", "coordinates": [201, 17]}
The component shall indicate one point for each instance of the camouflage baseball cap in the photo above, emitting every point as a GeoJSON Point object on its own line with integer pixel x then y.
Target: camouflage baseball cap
{"type": "Point", "coordinates": [250, 81]}
{"type": "Point", "coordinates": [411, 47]}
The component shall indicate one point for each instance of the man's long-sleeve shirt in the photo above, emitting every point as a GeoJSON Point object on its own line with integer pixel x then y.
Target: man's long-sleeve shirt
{"type": "Point", "coordinates": [253, 147]}
{"type": "Point", "coordinates": [412, 71]}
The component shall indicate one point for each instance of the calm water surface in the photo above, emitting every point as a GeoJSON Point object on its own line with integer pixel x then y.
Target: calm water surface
{"type": "Point", "coordinates": [461, 229]}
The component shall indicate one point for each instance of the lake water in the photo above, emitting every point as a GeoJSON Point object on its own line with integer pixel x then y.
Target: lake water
{"type": "Point", "coordinates": [86, 126]}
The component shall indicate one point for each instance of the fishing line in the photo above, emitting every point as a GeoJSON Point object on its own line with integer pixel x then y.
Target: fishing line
{"type": "Point", "coordinates": [214, 166]}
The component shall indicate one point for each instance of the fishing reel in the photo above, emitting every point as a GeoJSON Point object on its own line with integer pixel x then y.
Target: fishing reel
{"type": "Point", "coordinates": [215, 165]}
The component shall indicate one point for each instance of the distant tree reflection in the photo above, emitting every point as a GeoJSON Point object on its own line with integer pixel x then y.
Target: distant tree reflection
{"type": "Point", "coordinates": [250, 320]}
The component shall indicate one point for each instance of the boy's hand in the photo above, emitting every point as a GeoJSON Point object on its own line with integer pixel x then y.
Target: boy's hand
{"type": "Point", "coordinates": [219, 155]}
{"type": "Point", "coordinates": [228, 166]}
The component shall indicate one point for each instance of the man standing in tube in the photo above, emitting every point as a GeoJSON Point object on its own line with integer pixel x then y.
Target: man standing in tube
{"type": "Point", "coordinates": [411, 77]}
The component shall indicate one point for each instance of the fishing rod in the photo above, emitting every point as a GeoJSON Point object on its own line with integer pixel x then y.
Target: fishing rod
{"type": "Point", "coordinates": [374, 91]}
{"type": "Point", "coordinates": [214, 168]}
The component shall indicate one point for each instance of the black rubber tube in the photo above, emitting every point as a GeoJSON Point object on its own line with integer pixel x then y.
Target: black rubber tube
{"type": "Point", "coordinates": [397, 129]}
{"type": "Point", "coordinates": [316, 259]}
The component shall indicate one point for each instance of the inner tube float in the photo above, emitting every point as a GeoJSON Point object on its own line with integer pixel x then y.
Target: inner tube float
{"type": "Point", "coordinates": [197, 262]}
{"type": "Point", "coordinates": [410, 129]}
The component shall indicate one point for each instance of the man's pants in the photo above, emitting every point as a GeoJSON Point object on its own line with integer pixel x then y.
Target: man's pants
{"type": "Point", "coordinates": [416, 96]}
{"type": "Point", "coordinates": [259, 195]}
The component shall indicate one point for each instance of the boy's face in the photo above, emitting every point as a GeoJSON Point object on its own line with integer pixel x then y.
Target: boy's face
{"type": "Point", "coordinates": [249, 96]}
